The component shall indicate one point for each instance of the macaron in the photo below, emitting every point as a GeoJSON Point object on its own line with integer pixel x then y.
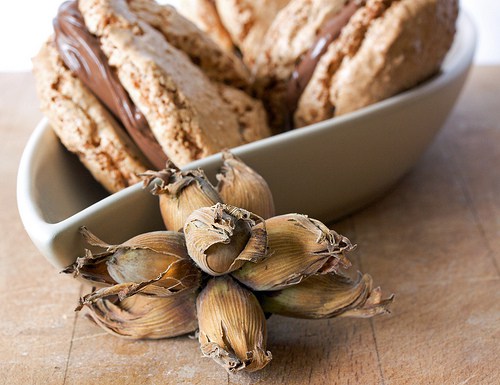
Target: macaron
{"type": "Point", "coordinates": [82, 123]}
{"type": "Point", "coordinates": [243, 22]}
{"type": "Point", "coordinates": [203, 13]}
{"type": "Point", "coordinates": [163, 87]}
{"type": "Point", "coordinates": [324, 58]}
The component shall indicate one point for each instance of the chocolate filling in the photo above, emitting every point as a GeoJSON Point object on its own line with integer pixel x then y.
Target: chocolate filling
{"type": "Point", "coordinates": [304, 70]}
{"type": "Point", "coordinates": [82, 54]}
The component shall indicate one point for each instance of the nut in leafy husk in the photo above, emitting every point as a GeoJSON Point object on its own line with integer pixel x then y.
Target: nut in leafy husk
{"type": "Point", "coordinates": [180, 193]}
{"type": "Point", "coordinates": [327, 296]}
{"type": "Point", "coordinates": [241, 186]}
{"type": "Point", "coordinates": [154, 263]}
{"type": "Point", "coordinates": [149, 317]}
{"type": "Point", "coordinates": [232, 326]}
{"type": "Point", "coordinates": [291, 260]}
{"type": "Point", "coordinates": [220, 239]}
{"type": "Point", "coordinates": [298, 247]}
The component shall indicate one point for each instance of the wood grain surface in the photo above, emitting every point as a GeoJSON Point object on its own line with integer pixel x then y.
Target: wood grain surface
{"type": "Point", "coordinates": [434, 240]}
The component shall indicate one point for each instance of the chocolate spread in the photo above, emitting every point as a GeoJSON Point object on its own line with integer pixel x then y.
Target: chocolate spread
{"type": "Point", "coordinates": [82, 54]}
{"type": "Point", "coordinates": [304, 70]}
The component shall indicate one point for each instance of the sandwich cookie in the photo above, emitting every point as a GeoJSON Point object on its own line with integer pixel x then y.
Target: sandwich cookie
{"type": "Point", "coordinates": [290, 36]}
{"type": "Point", "coordinates": [244, 21]}
{"type": "Point", "coordinates": [388, 47]}
{"type": "Point", "coordinates": [310, 39]}
{"type": "Point", "coordinates": [219, 66]}
{"type": "Point", "coordinates": [203, 13]}
{"type": "Point", "coordinates": [82, 123]}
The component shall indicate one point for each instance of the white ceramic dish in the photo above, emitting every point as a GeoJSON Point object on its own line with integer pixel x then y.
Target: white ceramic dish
{"type": "Point", "coordinates": [326, 170]}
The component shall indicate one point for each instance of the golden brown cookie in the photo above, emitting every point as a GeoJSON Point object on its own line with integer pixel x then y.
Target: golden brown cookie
{"type": "Point", "coordinates": [290, 36]}
{"type": "Point", "coordinates": [217, 64]}
{"type": "Point", "coordinates": [247, 22]}
{"type": "Point", "coordinates": [84, 126]}
{"type": "Point", "coordinates": [204, 14]}
{"type": "Point", "coordinates": [243, 22]}
{"type": "Point", "coordinates": [182, 106]}
{"type": "Point", "coordinates": [387, 47]}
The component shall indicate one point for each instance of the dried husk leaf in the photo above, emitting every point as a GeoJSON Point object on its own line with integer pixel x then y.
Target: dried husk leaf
{"type": "Point", "coordinates": [220, 238]}
{"type": "Point", "coordinates": [128, 289]}
{"type": "Point", "coordinates": [240, 186]}
{"type": "Point", "coordinates": [157, 262]}
{"type": "Point", "coordinates": [119, 290]}
{"type": "Point", "coordinates": [232, 326]}
{"type": "Point", "coordinates": [298, 247]}
{"type": "Point", "coordinates": [91, 268]}
{"type": "Point", "coordinates": [373, 306]}
{"type": "Point", "coordinates": [327, 296]}
{"type": "Point", "coordinates": [145, 317]}
{"type": "Point", "coordinates": [180, 193]}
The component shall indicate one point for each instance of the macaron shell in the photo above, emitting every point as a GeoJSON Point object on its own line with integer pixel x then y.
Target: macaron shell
{"type": "Point", "coordinates": [247, 22]}
{"type": "Point", "coordinates": [83, 125]}
{"type": "Point", "coordinates": [182, 106]}
{"type": "Point", "coordinates": [204, 14]}
{"type": "Point", "coordinates": [251, 115]}
{"type": "Point", "coordinates": [402, 48]}
{"type": "Point", "coordinates": [217, 64]}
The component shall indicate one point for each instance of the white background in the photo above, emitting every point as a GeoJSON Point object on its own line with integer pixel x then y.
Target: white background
{"type": "Point", "coordinates": [24, 25]}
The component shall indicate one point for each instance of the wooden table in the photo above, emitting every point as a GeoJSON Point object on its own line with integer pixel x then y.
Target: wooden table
{"type": "Point", "coordinates": [434, 240]}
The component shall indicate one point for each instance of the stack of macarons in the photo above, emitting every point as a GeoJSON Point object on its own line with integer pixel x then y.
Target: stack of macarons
{"type": "Point", "coordinates": [315, 59]}
{"type": "Point", "coordinates": [128, 84]}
